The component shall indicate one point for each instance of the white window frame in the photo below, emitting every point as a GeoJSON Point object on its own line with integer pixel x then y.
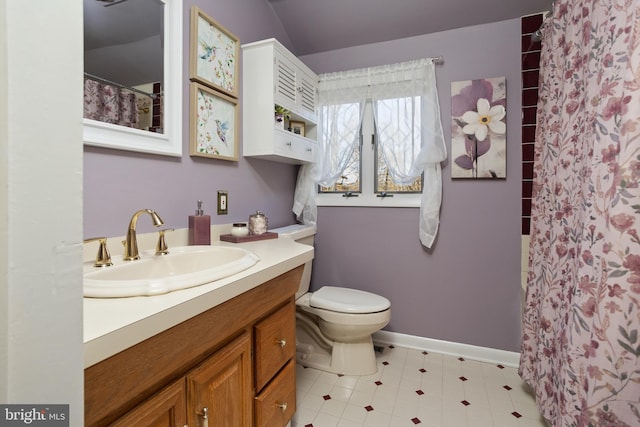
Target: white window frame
{"type": "Point", "coordinates": [367, 197]}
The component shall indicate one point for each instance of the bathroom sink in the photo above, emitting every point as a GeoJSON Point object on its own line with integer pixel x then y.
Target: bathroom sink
{"type": "Point", "coordinates": [183, 267]}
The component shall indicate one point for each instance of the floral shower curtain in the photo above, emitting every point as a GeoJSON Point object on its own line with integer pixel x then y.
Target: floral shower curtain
{"type": "Point", "coordinates": [109, 104]}
{"type": "Point", "coordinates": [581, 325]}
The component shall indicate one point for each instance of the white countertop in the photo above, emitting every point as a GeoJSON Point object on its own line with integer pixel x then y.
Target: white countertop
{"type": "Point", "coordinates": [115, 324]}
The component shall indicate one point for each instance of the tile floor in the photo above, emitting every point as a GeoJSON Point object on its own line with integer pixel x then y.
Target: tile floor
{"type": "Point", "coordinates": [416, 388]}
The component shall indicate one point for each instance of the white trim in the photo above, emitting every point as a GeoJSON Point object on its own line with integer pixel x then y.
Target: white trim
{"type": "Point", "coordinates": [169, 143]}
{"type": "Point", "coordinates": [481, 354]}
{"type": "Point", "coordinates": [407, 200]}
{"type": "Point", "coordinates": [367, 197]}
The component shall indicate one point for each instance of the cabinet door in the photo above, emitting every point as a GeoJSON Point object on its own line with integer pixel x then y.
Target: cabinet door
{"type": "Point", "coordinates": [306, 87]}
{"type": "Point", "coordinates": [164, 409]}
{"type": "Point", "coordinates": [294, 89]}
{"type": "Point", "coordinates": [285, 82]}
{"type": "Point", "coordinates": [222, 385]}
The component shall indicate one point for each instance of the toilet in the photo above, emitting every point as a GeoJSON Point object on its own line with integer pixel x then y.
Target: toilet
{"type": "Point", "coordinates": [334, 324]}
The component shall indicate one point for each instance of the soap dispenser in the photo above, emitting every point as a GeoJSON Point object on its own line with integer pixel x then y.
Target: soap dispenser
{"type": "Point", "coordinates": [199, 227]}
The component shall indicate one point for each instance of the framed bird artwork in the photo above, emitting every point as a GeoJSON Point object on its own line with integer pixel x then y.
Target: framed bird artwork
{"type": "Point", "coordinates": [214, 124]}
{"type": "Point", "coordinates": [214, 54]}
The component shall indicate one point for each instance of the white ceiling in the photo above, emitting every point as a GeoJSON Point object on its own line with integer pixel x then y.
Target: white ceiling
{"type": "Point", "coordinates": [321, 25]}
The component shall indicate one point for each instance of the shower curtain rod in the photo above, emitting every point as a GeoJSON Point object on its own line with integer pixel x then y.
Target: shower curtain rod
{"type": "Point", "coordinates": [103, 80]}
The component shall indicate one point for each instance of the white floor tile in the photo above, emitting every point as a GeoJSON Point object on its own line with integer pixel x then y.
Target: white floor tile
{"type": "Point", "coordinates": [377, 419]}
{"type": "Point", "coordinates": [326, 420]}
{"type": "Point", "coordinates": [416, 388]}
{"type": "Point", "coordinates": [347, 423]}
{"type": "Point", "coordinates": [354, 413]}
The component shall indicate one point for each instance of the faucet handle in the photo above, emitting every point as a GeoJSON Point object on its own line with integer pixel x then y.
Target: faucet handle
{"type": "Point", "coordinates": [103, 258]}
{"type": "Point", "coordinates": [161, 246]}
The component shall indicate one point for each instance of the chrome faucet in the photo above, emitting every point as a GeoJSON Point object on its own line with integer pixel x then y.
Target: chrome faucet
{"type": "Point", "coordinates": [131, 243]}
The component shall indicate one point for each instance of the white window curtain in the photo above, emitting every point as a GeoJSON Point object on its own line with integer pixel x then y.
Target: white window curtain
{"type": "Point", "coordinates": [412, 141]}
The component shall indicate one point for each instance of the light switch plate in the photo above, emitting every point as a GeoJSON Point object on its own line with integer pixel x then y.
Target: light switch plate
{"type": "Point", "coordinates": [223, 202]}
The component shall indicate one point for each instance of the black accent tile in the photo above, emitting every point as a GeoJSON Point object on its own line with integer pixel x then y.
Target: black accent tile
{"type": "Point", "coordinates": [531, 23]}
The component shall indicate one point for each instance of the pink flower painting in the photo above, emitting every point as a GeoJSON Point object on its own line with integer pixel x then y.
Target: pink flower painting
{"type": "Point", "coordinates": [478, 128]}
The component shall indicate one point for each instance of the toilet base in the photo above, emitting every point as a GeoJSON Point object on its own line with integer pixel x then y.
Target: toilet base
{"type": "Point", "coordinates": [352, 358]}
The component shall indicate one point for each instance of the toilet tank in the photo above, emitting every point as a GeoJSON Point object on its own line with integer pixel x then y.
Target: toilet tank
{"type": "Point", "coordinates": [302, 234]}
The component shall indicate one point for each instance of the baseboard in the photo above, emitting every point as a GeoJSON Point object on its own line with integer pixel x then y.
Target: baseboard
{"type": "Point", "coordinates": [481, 354]}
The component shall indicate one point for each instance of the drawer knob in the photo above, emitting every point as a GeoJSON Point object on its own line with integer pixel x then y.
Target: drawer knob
{"type": "Point", "coordinates": [281, 342]}
{"type": "Point", "coordinates": [288, 144]}
{"type": "Point", "coordinates": [282, 406]}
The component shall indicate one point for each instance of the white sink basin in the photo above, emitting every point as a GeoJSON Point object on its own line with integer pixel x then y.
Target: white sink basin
{"type": "Point", "coordinates": [184, 267]}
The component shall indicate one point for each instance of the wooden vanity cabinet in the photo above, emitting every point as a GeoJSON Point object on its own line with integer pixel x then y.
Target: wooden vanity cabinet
{"type": "Point", "coordinates": [236, 360]}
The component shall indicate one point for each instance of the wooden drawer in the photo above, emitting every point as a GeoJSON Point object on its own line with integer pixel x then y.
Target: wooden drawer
{"type": "Point", "coordinates": [275, 406]}
{"type": "Point", "coordinates": [275, 343]}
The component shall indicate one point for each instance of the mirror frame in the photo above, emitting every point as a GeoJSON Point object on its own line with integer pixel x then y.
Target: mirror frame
{"type": "Point", "coordinates": [169, 143]}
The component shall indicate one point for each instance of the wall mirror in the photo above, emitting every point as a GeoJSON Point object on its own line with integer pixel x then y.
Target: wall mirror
{"type": "Point", "coordinates": [133, 75]}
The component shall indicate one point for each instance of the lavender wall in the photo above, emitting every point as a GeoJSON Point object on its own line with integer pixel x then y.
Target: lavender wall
{"type": "Point", "coordinates": [465, 289]}
{"type": "Point", "coordinates": [117, 183]}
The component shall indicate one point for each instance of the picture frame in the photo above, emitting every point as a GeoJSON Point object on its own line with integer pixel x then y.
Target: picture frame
{"type": "Point", "coordinates": [213, 124]}
{"type": "Point", "coordinates": [297, 127]}
{"type": "Point", "coordinates": [478, 129]}
{"type": "Point", "coordinates": [214, 54]}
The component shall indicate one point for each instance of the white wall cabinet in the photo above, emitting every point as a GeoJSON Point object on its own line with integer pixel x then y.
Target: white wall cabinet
{"type": "Point", "coordinates": [274, 76]}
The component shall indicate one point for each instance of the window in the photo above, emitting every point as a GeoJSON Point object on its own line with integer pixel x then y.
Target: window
{"type": "Point", "coordinates": [366, 179]}
{"type": "Point", "coordinates": [397, 164]}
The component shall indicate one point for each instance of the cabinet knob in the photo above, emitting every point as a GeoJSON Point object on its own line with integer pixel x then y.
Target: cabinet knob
{"type": "Point", "coordinates": [288, 144]}
{"type": "Point", "coordinates": [282, 406]}
{"type": "Point", "coordinates": [281, 342]}
{"type": "Point", "coordinates": [204, 417]}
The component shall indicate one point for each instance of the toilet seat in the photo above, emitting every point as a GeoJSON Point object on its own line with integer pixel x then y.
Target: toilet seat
{"type": "Point", "coordinates": [346, 300]}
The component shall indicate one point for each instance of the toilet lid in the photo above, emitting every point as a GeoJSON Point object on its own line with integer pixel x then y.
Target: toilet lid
{"type": "Point", "coordinates": [345, 300]}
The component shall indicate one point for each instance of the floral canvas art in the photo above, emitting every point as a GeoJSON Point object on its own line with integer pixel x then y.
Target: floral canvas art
{"type": "Point", "coordinates": [214, 54]}
{"type": "Point", "coordinates": [478, 128]}
{"type": "Point", "coordinates": [213, 124]}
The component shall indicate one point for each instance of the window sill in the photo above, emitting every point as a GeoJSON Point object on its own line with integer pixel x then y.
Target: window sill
{"type": "Point", "coordinates": [397, 201]}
